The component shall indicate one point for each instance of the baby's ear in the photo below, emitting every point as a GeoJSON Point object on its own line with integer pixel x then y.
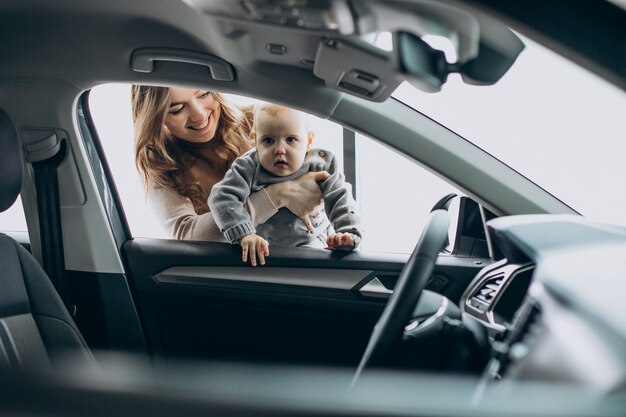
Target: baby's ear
{"type": "Point", "coordinates": [310, 137]}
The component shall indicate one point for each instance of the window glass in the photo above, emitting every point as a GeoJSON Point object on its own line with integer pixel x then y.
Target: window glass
{"type": "Point", "coordinates": [111, 111]}
{"type": "Point", "coordinates": [395, 194]}
{"type": "Point", "coordinates": [13, 219]}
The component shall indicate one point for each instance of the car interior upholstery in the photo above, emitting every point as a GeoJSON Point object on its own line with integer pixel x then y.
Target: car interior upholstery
{"type": "Point", "coordinates": [510, 304]}
{"type": "Point", "coordinates": [36, 330]}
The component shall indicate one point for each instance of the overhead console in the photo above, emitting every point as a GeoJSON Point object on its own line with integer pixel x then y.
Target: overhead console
{"type": "Point", "coordinates": [356, 67]}
{"type": "Point", "coordinates": [345, 57]}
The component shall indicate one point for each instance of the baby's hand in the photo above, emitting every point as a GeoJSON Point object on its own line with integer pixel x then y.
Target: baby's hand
{"type": "Point", "coordinates": [254, 245]}
{"type": "Point", "coordinates": [340, 241]}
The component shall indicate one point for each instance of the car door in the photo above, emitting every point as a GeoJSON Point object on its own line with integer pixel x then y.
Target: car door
{"type": "Point", "coordinates": [197, 299]}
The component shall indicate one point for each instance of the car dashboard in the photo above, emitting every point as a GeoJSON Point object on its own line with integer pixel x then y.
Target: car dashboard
{"type": "Point", "coordinates": [551, 315]}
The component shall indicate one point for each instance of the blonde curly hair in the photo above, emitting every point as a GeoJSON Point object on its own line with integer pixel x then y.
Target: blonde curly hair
{"type": "Point", "coordinates": [159, 156]}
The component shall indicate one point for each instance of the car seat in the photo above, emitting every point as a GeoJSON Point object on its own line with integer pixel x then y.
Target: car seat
{"type": "Point", "coordinates": [36, 331]}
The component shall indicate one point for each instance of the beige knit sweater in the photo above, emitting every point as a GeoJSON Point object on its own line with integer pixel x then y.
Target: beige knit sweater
{"type": "Point", "coordinates": [177, 214]}
{"type": "Point", "coordinates": [179, 218]}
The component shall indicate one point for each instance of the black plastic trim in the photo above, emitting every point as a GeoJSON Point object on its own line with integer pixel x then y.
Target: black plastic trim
{"type": "Point", "coordinates": [110, 197]}
{"type": "Point", "coordinates": [148, 257]}
{"type": "Point", "coordinates": [105, 313]}
{"type": "Point", "coordinates": [349, 158]}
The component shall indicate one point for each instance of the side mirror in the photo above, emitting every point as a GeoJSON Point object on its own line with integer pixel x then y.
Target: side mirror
{"type": "Point", "coordinates": [467, 236]}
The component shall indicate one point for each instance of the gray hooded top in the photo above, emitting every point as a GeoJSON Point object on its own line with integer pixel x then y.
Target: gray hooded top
{"type": "Point", "coordinates": [246, 175]}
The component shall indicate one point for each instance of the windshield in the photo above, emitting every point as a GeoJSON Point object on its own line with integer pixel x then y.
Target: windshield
{"type": "Point", "coordinates": [549, 119]}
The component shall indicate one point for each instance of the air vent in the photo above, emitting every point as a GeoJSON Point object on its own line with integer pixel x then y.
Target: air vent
{"type": "Point", "coordinates": [484, 296]}
{"type": "Point", "coordinates": [521, 337]}
{"type": "Point", "coordinates": [527, 317]}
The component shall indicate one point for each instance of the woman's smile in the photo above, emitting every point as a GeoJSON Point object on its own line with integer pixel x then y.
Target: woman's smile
{"type": "Point", "coordinates": [202, 127]}
{"type": "Point", "coordinates": [193, 115]}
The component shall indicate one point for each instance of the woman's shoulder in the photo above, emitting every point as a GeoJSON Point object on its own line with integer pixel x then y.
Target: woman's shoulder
{"type": "Point", "coordinates": [161, 192]}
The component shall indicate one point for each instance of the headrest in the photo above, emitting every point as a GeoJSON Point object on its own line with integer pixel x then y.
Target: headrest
{"type": "Point", "coordinates": [10, 162]}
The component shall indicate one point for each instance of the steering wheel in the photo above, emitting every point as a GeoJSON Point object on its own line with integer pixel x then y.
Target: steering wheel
{"type": "Point", "coordinates": [413, 278]}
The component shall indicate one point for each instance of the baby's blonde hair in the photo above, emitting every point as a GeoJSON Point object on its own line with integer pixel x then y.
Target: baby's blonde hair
{"type": "Point", "coordinates": [274, 110]}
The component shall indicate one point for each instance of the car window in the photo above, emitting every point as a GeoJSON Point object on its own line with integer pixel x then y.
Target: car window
{"type": "Point", "coordinates": [13, 219]}
{"type": "Point", "coordinates": [394, 193]}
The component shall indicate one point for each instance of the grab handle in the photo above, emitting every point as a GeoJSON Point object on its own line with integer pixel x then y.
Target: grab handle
{"type": "Point", "coordinates": [143, 61]}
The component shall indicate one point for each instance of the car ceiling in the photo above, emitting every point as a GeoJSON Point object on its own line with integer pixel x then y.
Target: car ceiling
{"type": "Point", "coordinates": [40, 38]}
{"type": "Point", "coordinates": [53, 51]}
{"type": "Point", "coordinates": [98, 39]}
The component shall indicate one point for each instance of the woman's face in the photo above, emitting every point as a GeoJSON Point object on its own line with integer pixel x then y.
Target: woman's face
{"type": "Point", "coordinates": [193, 115]}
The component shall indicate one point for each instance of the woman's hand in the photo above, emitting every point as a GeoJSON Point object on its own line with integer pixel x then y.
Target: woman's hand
{"type": "Point", "coordinates": [254, 245]}
{"type": "Point", "coordinates": [301, 196]}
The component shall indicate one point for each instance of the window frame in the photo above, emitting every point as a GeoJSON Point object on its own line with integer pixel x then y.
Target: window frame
{"type": "Point", "coordinates": [105, 183]}
{"type": "Point", "coordinates": [113, 203]}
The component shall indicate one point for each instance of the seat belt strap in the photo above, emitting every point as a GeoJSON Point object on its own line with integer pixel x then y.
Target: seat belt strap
{"type": "Point", "coordinates": [46, 151]}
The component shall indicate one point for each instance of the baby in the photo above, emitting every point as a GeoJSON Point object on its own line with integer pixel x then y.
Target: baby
{"type": "Point", "coordinates": [283, 152]}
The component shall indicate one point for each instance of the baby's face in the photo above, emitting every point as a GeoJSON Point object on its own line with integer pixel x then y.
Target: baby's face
{"type": "Point", "coordinates": [282, 140]}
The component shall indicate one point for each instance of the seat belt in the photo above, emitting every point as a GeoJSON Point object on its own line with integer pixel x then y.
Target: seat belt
{"type": "Point", "coordinates": [46, 151]}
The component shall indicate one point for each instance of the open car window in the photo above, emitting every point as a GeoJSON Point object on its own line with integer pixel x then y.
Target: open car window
{"type": "Point", "coordinates": [394, 194]}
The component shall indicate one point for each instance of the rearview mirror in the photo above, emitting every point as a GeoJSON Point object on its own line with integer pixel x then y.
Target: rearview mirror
{"type": "Point", "coordinates": [427, 69]}
{"type": "Point", "coordinates": [424, 67]}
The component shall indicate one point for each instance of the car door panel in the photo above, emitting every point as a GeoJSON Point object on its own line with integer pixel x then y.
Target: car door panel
{"type": "Point", "coordinates": [197, 299]}
{"type": "Point", "coordinates": [103, 309]}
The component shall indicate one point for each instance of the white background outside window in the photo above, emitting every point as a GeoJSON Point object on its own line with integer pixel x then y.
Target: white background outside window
{"type": "Point", "coordinates": [13, 219]}
{"type": "Point", "coordinates": [394, 193]}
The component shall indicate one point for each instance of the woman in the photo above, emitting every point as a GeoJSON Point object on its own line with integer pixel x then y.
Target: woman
{"type": "Point", "coordinates": [185, 141]}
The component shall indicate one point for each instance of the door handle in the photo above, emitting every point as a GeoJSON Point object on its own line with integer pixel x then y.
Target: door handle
{"type": "Point", "coordinates": [143, 60]}
{"type": "Point", "coordinates": [375, 288]}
